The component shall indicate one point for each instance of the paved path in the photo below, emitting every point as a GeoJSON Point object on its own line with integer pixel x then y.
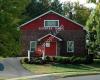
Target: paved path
{"type": "Point", "coordinates": [12, 68]}
{"type": "Point", "coordinates": [90, 77]}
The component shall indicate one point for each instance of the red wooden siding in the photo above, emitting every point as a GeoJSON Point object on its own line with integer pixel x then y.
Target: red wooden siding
{"type": "Point", "coordinates": [68, 25]}
{"type": "Point", "coordinates": [72, 31]}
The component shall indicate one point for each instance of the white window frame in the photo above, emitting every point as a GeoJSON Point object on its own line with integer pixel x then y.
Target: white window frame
{"type": "Point", "coordinates": [68, 45]}
{"type": "Point", "coordinates": [35, 45]}
{"type": "Point", "coordinates": [50, 26]}
{"type": "Point", "coordinates": [47, 44]}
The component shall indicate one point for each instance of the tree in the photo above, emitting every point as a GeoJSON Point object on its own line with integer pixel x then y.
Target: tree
{"type": "Point", "coordinates": [81, 14]}
{"type": "Point", "coordinates": [68, 9]}
{"type": "Point", "coordinates": [93, 1]}
{"type": "Point", "coordinates": [10, 13]}
{"type": "Point", "coordinates": [56, 6]}
{"type": "Point", "coordinates": [76, 12]}
{"type": "Point", "coordinates": [38, 7]}
{"type": "Point", "coordinates": [93, 23]}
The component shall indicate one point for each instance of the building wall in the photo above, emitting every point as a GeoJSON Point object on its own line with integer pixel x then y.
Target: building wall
{"type": "Point", "coordinates": [34, 25]}
{"type": "Point", "coordinates": [78, 36]}
{"type": "Point", "coordinates": [72, 31]}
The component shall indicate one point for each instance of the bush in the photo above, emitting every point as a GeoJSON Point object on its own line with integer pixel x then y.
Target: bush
{"type": "Point", "coordinates": [37, 61]}
{"type": "Point", "coordinates": [26, 60]}
{"type": "Point", "coordinates": [49, 59]}
{"type": "Point", "coordinates": [62, 60]}
{"type": "Point", "coordinates": [77, 60]}
{"type": "Point", "coordinates": [69, 60]}
{"type": "Point", "coordinates": [58, 59]}
{"type": "Point", "coordinates": [89, 59]}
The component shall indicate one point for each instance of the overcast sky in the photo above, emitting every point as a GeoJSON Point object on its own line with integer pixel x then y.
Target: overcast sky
{"type": "Point", "coordinates": [83, 2]}
{"type": "Point", "coordinates": [80, 1]}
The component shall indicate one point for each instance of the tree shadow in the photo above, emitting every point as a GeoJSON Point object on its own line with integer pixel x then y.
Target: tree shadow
{"type": "Point", "coordinates": [1, 67]}
{"type": "Point", "coordinates": [75, 66]}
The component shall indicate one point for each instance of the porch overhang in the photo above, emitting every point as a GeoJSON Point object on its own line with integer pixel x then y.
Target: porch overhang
{"type": "Point", "coordinates": [49, 35]}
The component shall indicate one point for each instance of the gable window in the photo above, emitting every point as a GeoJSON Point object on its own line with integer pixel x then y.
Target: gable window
{"type": "Point", "coordinates": [51, 23]}
{"type": "Point", "coordinates": [70, 46]}
{"type": "Point", "coordinates": [32, 46]}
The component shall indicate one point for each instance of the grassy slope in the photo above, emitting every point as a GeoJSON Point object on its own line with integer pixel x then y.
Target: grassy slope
{"type": "Point", "coordinates": [68, 68]}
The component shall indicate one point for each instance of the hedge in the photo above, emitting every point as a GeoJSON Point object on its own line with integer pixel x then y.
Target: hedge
{"type": "Point", "coordinates": [60, 60]}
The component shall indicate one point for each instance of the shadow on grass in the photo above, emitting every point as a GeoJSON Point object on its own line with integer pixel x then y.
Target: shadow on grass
{"type": "Point", "coordinates": [92, 66]}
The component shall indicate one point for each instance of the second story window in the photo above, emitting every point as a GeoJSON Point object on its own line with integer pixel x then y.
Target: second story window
{"type": "Point", "coordinates": [51, 23]}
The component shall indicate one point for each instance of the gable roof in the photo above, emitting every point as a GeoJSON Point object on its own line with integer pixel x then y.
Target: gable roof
{"type": "Point", "coordinates": [54, 13]}
{"type": "Point", "coordinates": [50, 35]}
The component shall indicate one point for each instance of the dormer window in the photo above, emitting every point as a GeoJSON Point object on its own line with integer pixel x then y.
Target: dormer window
{"type": "Point", "coordinates": [51, 23]}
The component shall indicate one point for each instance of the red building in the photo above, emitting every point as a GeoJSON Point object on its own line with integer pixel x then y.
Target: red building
{"type": "Point", "coordinates": [53, 35]}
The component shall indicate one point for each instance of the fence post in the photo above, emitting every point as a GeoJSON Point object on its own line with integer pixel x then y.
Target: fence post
{"type": "Point", "coordinates": [28, 55]}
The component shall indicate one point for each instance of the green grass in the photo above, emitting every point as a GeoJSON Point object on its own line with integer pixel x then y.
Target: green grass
{"type": "Point", "coordinates": [24, 79]}
{"type": "Point", "coordinates": [64, 68]}
{"type": "Point", "coordinates": [2, 79]}
{"type": "Point", "coordinates": [1, 58]}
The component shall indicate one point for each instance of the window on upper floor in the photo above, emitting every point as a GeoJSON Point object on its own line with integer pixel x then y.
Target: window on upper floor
{"type": "Point", "coordinates": [51, 23]}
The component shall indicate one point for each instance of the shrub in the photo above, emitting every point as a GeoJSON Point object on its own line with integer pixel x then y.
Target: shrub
{"type": "Point", "coordinates": [25, 60]}
{"type": "Point", "coordinates": [58, 59]}
{"type": "Point", "coordinates": [68, 60]}
{"type": "Point", "coordinates": [48, 59]}
{"type": "Point", "coordinates": [76, 60]}
{"type": "Point", "coordinates": [89, 59]}
{"type": "Point", "coordinates": [72, 59]}
{"type": "Point", "coordinates": [62, 60]}
{"type": "Point", "coordinates": [37, 61]}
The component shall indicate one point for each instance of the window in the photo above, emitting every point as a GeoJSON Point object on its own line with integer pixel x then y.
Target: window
{"type": "Point", "coordinates": [70, 46]}
{"type": "Point", "coordinates": [47, 44]}
{"type": "Point", "coordinates": [51, 23]}
{"type": "Point", "coordinates": [32, 45]}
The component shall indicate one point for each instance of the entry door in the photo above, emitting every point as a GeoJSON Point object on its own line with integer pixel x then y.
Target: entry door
{"type": "Point", "coordinates": [50, 48]}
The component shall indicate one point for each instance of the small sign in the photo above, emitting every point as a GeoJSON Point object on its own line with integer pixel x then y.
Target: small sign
{"type": "Point", "coordinates": [52, 28]}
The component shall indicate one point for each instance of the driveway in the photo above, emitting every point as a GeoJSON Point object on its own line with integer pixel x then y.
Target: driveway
{"type": "Point", "coordinates": [11, 67]}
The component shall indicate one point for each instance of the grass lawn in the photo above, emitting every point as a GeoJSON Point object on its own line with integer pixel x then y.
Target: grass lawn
{"type": "Point", "coordinates": [1, 58]}
{"type": "Point", "coordinates": [2, 79]}
{"type": "Point", "coordinates": [68, 69]}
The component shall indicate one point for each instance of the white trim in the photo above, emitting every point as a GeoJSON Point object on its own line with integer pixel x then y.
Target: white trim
{"type": "Point", "coordinates": [35, 45]}
{"type": "Point", "coordinates": [48, 35]}
{"type": "Point", "coordinates": [51, 26]}
{"type": "Point", "coordinates": [73, 46]}
{"type": "Point", "coordinates": [55, 13]}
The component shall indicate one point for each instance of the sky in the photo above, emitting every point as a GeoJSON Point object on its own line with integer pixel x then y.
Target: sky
{"type": "Point", "coordinates": [80, 1]}
{"type": "Point", "coordinates": [83, 2]}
